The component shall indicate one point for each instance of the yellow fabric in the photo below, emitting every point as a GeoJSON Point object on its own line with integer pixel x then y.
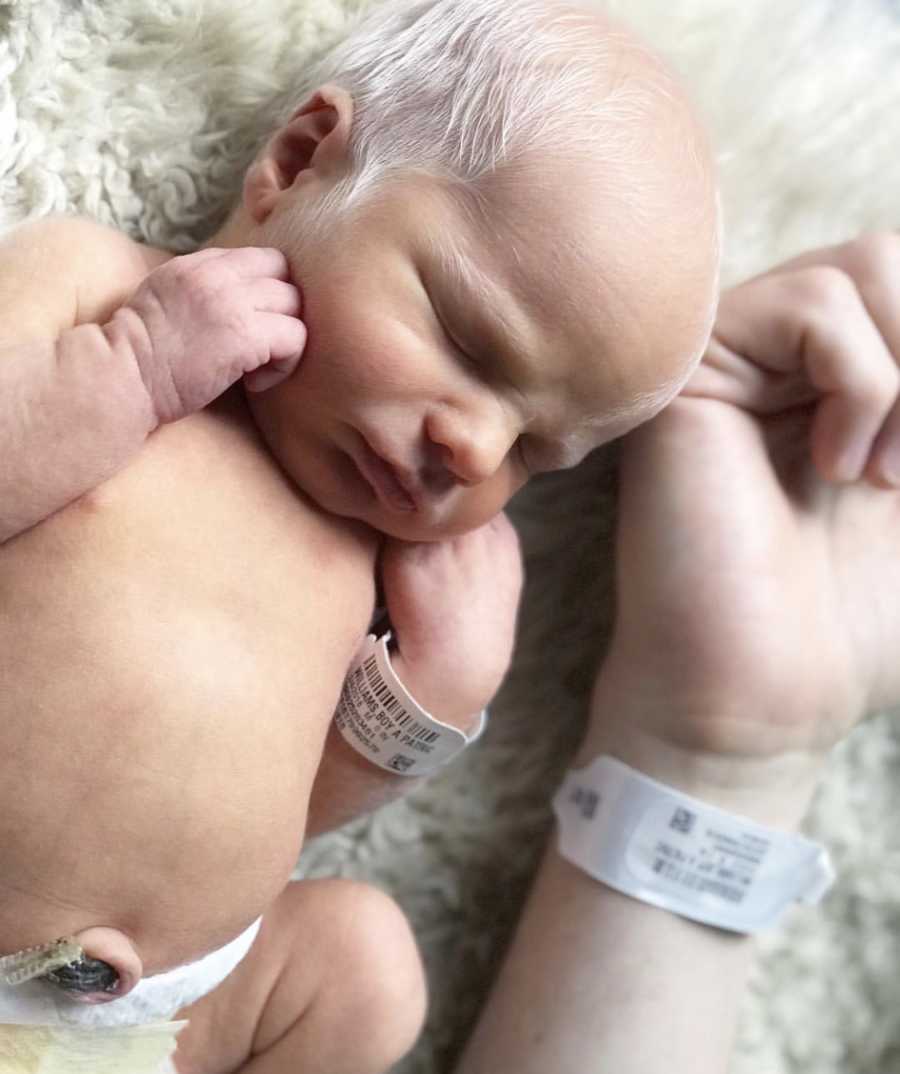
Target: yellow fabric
{"type": "Point", "coordinates": [44, 1049]}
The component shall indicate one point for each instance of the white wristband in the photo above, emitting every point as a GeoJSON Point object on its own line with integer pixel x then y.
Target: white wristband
{"type": "Point", "coordinates": [380, 719]}
{"type": "Point", "coordinates": [663, 847]}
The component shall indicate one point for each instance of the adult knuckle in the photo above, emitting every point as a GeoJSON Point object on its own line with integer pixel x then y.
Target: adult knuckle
{"type": "Point", "coordinates": [873, 384]}
{"type": "Point", "coordinates": [872, 254]}
{"type": "Point", "coordinates": [889, 382]}
{"type": "Point", "coordinates": [823, 289]}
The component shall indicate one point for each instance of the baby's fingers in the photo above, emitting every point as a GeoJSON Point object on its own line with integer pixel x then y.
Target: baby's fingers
{"type": "Point", "coordinates": [274, 296]}
{"type": "Point", "coordinates": [286, 338]}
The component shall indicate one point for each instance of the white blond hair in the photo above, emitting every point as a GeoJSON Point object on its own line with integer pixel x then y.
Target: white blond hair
{"type": "Point", "coordinates": [467, 90]}
{"type": "Point", "coordinates": [459, 88]}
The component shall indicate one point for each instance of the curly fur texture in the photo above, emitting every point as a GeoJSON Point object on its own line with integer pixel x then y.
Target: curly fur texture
{"type": "Point", "coordinates": [145, 114]}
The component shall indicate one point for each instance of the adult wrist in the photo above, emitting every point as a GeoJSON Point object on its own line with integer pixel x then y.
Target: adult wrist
{"type": "Point", "coordinates": [771, 785]}
{"type": "Point", "coordinates": [661, 846]}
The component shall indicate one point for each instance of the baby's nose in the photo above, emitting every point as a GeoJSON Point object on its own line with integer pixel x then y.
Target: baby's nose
{"type": "Point", "coordinates": [473, 445]}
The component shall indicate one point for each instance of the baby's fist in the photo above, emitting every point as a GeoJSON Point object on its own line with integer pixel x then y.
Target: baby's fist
{"type": "Point", "coordinates": [452, 605]}
{"type": "Point", "coordinates": [200, 322]}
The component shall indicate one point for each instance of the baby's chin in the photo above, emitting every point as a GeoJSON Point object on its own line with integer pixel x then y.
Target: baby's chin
{"type": "Point", "coordinates": [423, 525]}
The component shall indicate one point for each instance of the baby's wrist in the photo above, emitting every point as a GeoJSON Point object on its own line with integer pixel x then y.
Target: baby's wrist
{"type": "Point", "coordinates": [127, 339]}
{"type": "Point", "coordinates": [439, 698]}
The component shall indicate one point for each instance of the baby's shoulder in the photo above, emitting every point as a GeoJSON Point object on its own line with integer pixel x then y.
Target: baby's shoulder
{"type": "Point", "coordinates": [59, 271]}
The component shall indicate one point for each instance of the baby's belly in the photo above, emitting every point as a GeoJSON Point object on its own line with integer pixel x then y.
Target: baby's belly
{"type": "Point", "coordinates": [195, 590]}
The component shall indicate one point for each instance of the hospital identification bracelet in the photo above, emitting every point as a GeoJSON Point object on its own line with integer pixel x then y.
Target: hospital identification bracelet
{"type": "Point", "coordinates": [380, 719]}
{"type": "Point", "coordinates": [663, 847]}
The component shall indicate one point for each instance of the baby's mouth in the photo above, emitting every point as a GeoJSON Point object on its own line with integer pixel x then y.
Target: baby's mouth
{"type": "Point", "coordinates": [390, 488]}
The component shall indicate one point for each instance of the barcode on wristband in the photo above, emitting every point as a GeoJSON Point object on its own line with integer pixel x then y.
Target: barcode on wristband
{"type": "Point", "coordinates": [380, 719]}
{"type": "Point", "coordinates": [665, 867]}
{"type": "Point", "coordinates": [657, 844]}
{"type": "Point", "coordinates": [390, 704]}
{"type": "Point", "coordinates": [698, 857]}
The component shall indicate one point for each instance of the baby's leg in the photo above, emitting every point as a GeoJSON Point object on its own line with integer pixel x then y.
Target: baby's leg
{"type": "Point", "coordinates": [332, 985]}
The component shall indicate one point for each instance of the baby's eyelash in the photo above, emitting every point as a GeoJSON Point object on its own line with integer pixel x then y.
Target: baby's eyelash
{"type": "Point", "coordinates": [454, 342]}
{"type": "Point", "coordinates": [448, 335]}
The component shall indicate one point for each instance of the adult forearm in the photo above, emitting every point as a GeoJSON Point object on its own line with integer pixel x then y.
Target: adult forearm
{"type": "Point", "coordinates": [73, 411]}
{"type": "Point", "coordinates": [597, 981]}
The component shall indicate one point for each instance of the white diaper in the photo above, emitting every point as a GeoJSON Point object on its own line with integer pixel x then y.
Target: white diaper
{"type": "Point", "coordinates": [43, 1029]}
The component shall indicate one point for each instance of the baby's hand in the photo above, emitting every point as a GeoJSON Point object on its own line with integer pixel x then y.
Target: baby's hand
{"type": "Point", "coordinates": [824, 330]}
{"type": "Point", "coordinates": [200, 322]}
{"type": "Point", "coordinates": [452, 606]}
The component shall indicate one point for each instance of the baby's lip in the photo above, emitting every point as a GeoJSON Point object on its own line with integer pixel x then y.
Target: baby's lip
{"type": "Point", "coordinates": [395, 487]}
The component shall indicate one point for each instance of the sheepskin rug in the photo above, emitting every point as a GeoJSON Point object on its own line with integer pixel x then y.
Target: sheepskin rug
{"type": "Point", "coordinates": [143, 114]}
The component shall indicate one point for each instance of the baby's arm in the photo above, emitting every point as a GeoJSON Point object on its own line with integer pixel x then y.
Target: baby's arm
{"type": "Point", "coordinates": [452, 606]}
{"type": "Point", "coordinates": [77, 400]}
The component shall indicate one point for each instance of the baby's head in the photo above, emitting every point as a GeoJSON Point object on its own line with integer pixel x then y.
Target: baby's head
{"type": "Point", "coordinates": [502, 217]}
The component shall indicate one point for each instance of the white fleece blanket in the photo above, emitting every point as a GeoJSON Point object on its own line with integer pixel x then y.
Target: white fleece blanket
{"type": "Point", "coordinates": [144, 112]}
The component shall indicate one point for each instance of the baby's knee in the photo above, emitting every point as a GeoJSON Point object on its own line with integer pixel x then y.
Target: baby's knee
{"type": "Point", "coordinates": [372, 990]}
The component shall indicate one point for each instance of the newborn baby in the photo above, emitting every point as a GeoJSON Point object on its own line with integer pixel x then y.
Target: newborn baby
{"type": "Point", "coordinates": [494, 282]}
{"type": "Point", "coordinates": [503, 223]}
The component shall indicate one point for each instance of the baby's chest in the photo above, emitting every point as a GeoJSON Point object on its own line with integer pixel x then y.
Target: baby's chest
{"type": "Point", "coordinates": [197, 574]}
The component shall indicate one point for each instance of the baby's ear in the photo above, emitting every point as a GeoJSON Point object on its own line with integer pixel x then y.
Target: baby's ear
{"type": "Point", "coordinates": [313, 144]}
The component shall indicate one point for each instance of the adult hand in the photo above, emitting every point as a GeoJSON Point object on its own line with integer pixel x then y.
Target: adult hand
{"type": "Point", "coordinates": [758, 602]}
{"type": "Point", "coordinates": [822, 328]}
{"type": "Point", "coordinates": [758, 619]}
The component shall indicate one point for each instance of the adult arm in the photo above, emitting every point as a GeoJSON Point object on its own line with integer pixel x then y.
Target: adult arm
{"type": "Point", "coordinates": [758, 620]}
